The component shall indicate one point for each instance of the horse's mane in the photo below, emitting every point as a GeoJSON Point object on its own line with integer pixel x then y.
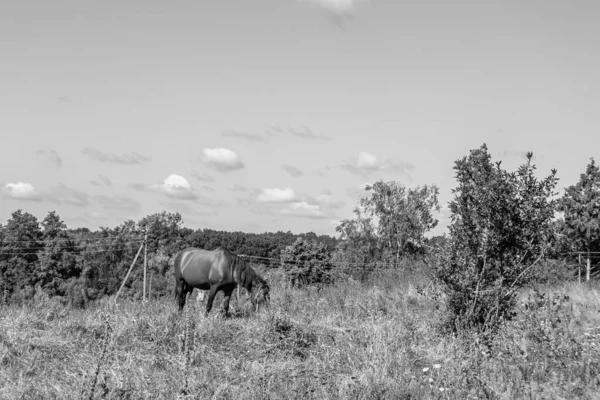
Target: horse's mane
{"type": "Point", "coordinates": [244, 273]}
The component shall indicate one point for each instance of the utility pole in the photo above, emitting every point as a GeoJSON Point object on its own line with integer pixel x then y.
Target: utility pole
{"type": "Point", "coordinates": [145, 260]}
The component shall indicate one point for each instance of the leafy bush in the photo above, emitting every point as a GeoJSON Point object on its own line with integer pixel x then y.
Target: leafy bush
{"type": "Point", "coordinates": [307, 262]}
{"type": "Point", "coordinates": [500, 232]}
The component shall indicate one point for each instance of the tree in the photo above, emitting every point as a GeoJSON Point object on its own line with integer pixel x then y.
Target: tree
{"type": "Point", "coordinates": [404, 216]}
{"type": "Point", "coordinates": [500, 230]}
{"type": "Point", "coordinates": [357, 247]}
{"type": "Point", "coordinates": [306, 262]}
{"type": "Point", "coordinates": [391, 222]}
{"type": "Point", "coordinates": [58, 260]}
{"type": "Point", "coordinates": [580, 206]}
{"type": "Point", "coordinates": [21, 244]}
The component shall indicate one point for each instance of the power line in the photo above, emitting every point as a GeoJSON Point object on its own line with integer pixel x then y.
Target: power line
{"type": "Point", "coordinates": [71, 239]}
{"type": "Point", "coordinates": [83, 251]}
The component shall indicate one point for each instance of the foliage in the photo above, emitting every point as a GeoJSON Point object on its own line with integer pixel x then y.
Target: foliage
{"type": "Point", "coordinates": [389, 224]}
{"type": "Point", "coordinates": [59, 260]}
{"type": "Point", "coordinates": [500, 230]}
{"type": "Point", "coordinates": [580, 205]}
{"type": "Point", "coordinates": [357, 250]}
{"type": "Point", "coordinates": [21, 244]}
{"type": "Point", "coordinates": [404, 216]}
{"type": "Point", "coordinates": [306, 262]}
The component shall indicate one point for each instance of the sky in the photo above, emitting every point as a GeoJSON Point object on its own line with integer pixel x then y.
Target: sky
{"type": "Point", "coordinates": [271, 115]}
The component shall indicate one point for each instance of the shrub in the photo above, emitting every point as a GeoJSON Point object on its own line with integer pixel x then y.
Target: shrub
{"type": "Point", "coordinates": [306, 262]}
{"type": "Point", "coordinates": [500, 231]}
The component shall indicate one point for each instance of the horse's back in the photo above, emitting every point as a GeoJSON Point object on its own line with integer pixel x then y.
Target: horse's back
{"type": "Point", "coordinates": [199, 267]}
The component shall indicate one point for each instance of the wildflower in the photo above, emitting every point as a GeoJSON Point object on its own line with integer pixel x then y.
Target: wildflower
{"type": "Point", "coordinates": [425, 370]}
{"type": "Point", "coordinates": [437, 366]}
{"type": "Point", "coordinates": [442, 389]}
{"type": "Point", "coordinates": [430, 380]}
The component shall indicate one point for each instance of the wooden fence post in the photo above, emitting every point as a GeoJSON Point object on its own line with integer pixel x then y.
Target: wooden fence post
{"type": "Point", "coordinates": [128, 272]}
{"type": "Point", "coordinates": [145, 261]}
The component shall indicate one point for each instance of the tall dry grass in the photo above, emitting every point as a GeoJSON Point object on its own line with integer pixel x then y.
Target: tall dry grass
{"type": "Point", "coordinates": [374, 340]}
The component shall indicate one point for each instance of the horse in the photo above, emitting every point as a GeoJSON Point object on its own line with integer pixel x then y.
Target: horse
{"type": "Point", "coordinates": [216, 270]}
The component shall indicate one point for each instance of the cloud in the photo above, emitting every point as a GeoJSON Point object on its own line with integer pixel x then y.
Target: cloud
{"type": "Point", "coordinates": [203, 177]}
{"type": "Point", "coordinates": [366, 161]}
{"type": "Point", "coordinates": [273, 130]}
{"type": "Point", "coordinates": [365, 164]}
{"type": "Point", "coordinates": [338, 10]}
{"type": "Point", "coordinates": [329, 201]}
{"type": "Point", "coordinates": [49, 156]}
{"type": "Point", "coordinates": [301, 132]}
{"type": "Point", "coordinates": [117, 203]}
{"type": "Point", "coordinates": [128, 159]}
{"type": "Point", "coordinates": [306, 133]}
{"type": "Point", "coordinates": [336, 6]}
{"type": "Point", "coordinates": [293, 171]}
{"type": "Point", "coordinates": [176, 187]}
{"type": "Point", "coordinates": [303, 210]}
{"type": "Point", "coordinates": [21, 191]}
{"type": "Point", "coordinates": [173, 186]}
{"type": "Point", "coordinates": [253, 137]}
{"type": "Point", "coordinates": [325, 200]}
{"type": "Point", "coordinates": [276, 195]}
{"type": "Point", "coordinates": [222, 160]}
{"type": "Point", "coordinates": [101, 181]}
{"type": "Point", "coordinates": [62, 194]}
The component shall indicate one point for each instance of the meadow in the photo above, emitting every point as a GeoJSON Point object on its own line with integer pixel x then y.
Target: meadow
{"type": "Point", "coordinates": [378, 339]}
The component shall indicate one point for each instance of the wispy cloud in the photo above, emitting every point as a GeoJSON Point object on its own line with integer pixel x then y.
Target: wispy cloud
{"type": "Point", "coordinates": [293, 171]}
{"type": "Point", "coordinates": [62, 194]}
{"type": "Point", "coordinates": [329, 201]}
{"type": "Point", "coordinates": [338, 10]}
{"type": "Point", "coordinates": [101, 181]}
{"type": "Point", "coordinates": [364, 164]}
{"type": "Point", "coordinates": [276, 195]}
{"type": "Point", "coordinates": [253, 137]}
{"type": "Point", "coordinates": [336, 6]}
{"type": "Point", "coordinates": [306, 133]}
{"type": "Point", "coordinates": [118, 203]}
{"type": "Point", "coordinates": [201, 176]}
{"type": "Point", "coordinates": [221, 159]}
{"type": "Point", "coordinates": [303, 132]}
{"type": "Point", "coordinates": [303, 209]}
{"type": "Point", "coordinates": [126, 159]}
{"type": "Point", "coordinates": [21, 191]}
{"type": "Point", "coordinates": [50, 156]}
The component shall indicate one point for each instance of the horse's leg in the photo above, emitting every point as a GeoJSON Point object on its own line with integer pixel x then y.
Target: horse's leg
{"type": "Point", "coordinates": [178, 293]}
{"type": "Point", "coordinates": [182, 290]}
{"type": "Point", "coordinates": [228, 290]}
{"type": "Point", "coordinates": [211, 296]}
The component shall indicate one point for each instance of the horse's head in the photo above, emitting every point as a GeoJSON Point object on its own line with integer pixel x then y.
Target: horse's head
{"type": "Point", "coordinates": [261, 292]}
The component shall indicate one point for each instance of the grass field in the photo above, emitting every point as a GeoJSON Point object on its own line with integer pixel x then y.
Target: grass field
{"type": "Point", "coordinates": [349, 341]}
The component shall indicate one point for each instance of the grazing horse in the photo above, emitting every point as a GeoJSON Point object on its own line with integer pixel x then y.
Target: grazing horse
{"type": "Point", "coordinates": [215, 270]}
